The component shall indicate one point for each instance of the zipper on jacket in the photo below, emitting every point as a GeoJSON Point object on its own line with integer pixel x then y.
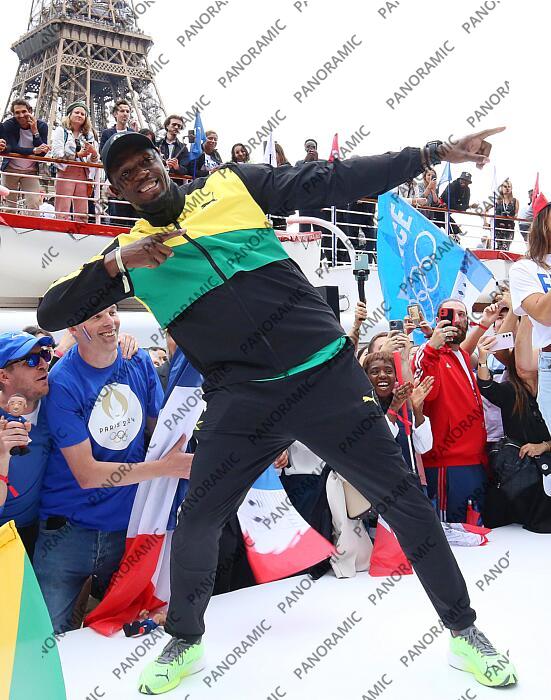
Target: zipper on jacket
{"type": "Point", "coordinates": [278, 364]}
{"type": "Point", "coordinates": [205, 252]}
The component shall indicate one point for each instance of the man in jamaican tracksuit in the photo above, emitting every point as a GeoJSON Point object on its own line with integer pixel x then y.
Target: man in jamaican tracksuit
{"type": "Point", "coordinates": [277, 365]}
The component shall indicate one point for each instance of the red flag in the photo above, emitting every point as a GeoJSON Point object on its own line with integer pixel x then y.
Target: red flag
{"type": "Point", "coordinates": [539, 201]}
{"type": "Point", "coordinates": [334, 149]}
{"type": "Point", "coordinates": [387, 557]}
{"type": "Point", "coordinates": [473, 514]}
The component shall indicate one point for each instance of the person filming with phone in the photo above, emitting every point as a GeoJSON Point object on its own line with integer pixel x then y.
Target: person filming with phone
{"type": "Point", "coordinates": [454, 467]}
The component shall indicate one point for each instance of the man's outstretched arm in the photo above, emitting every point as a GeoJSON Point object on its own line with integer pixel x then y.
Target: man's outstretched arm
{"type": "Point", "coordinates": [320, 184]}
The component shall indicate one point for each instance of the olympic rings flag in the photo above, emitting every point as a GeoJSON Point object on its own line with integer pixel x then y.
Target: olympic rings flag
{"type": "Point", "coordinates": [419, 264]}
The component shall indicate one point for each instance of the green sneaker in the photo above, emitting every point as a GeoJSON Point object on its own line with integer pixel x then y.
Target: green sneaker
{"type": "Point", "coordinates": [470, 651]}
{"type": "Point", "coordinates": [177, 660]}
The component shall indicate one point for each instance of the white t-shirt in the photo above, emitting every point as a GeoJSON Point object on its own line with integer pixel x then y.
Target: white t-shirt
{"type": "Point", "coordinates": [25, 141]}
{"type": "Point", "coordinates": [527, 277]}
{"type": "Point", "coordinates": [492, 413]}
{"type": "Point", "coordinates": [210, 163]}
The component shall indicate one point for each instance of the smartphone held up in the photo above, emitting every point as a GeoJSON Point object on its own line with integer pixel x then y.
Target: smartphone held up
{"type": "Point", "coordinates": [396, 325]}
{"type": "Point", "coordinates": [503, 341]}
{"type": "Point", "coordinates": [415, 312]}
{"type": "Point", "coordinates": [447, 315]}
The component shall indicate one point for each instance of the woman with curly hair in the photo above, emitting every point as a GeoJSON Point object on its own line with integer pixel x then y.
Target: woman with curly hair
{"type": "Point", "coordinates": [239, 153]}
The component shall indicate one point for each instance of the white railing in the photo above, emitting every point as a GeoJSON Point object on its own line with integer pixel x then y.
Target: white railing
{"type": "Point", "coordinates": [98, 200]}
{"type": "Point", "coordinates": [470, 229]}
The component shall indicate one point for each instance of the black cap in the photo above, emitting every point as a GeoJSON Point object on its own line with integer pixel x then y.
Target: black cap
{"type": "Point", "coordinates": [466, 176]}
{"type": "Point", "coordinates": [121, 142]}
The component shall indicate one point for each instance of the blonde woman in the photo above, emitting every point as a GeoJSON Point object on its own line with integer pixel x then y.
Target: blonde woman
{"type": "Point", "coordinates": [74, 140]}
{"type": "Point", "coordinates": [506, 211]}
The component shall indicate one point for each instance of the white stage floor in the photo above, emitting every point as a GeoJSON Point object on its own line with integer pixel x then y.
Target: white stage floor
{"type": "Point", "coordinates": [365, 659]}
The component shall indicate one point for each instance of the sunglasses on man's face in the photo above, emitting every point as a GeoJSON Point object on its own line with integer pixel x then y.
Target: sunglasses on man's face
{"type": "Point", "coordinates": [33, 359]}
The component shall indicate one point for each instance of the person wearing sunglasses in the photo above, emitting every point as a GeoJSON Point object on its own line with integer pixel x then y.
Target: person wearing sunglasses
{"type": "Point", "coordinates": [24, 362]}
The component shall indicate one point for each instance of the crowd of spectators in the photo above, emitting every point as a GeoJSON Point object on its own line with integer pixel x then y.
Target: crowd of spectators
{"type": "Point", "coordinates": [78, 196]}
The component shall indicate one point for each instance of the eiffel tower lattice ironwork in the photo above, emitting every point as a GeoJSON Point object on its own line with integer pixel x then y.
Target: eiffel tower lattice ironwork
{"type": "Point", "coordinates": [86, 49]}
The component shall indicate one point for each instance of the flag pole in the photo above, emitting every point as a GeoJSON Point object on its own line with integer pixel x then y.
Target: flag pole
{"type": "Point", "coordinates": [334, 236]}
{"type": "Point", "coordinates": [334, 155]}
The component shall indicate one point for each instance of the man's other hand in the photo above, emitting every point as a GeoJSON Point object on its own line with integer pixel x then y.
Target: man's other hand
{"type": "Point", "coordinates": [150, 251]}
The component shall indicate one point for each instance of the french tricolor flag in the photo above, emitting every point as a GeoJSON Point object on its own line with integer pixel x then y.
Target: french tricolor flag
{"type": "Point", "coordinates": [279, 542]}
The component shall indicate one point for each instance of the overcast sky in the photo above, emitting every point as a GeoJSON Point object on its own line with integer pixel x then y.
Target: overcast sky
{"type": "Point", "coordinates": [505, 48]}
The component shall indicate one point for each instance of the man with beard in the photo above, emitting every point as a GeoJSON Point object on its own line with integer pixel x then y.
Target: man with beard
{"type": "Point", "coordinates": [206, 261]}
{"type": "Point", "coordinates": [454, 467]}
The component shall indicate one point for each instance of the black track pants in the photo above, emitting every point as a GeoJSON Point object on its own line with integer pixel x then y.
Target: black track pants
{"type": "Point", "coordinates": [330, 409]}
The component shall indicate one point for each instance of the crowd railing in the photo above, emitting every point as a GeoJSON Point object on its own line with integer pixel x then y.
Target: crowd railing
{"type": "Point", "coordinates": [98, 199]}
{"type": "Point", "coordinates": [359, 221]}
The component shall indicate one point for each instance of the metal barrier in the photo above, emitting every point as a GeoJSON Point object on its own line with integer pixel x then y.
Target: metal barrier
{"type": "Point", "coordinates": [359, 221]}
{"type": "Point", "coordinates": [469, 229]}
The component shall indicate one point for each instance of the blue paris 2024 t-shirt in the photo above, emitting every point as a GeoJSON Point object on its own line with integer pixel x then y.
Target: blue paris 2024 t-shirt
{"type": "Point", "coordinates": [109, 407]}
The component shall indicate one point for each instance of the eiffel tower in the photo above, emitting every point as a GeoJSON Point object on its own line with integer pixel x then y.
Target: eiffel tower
{"type": "Point", "coordinates": [86, 49]}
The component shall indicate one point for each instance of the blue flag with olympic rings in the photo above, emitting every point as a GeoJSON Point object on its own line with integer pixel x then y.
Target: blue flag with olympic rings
{"type": "Point", "coordinates": [420, 264]}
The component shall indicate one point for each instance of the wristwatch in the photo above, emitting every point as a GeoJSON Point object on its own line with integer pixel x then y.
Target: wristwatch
{"type": "Point", "coordinates": [482, 364]}
{"type": "Point", "coordinates": [432, 148]}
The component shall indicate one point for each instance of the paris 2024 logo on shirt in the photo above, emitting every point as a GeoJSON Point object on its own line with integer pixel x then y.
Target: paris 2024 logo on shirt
{"type": "Point", "coordinates": [116, 418]}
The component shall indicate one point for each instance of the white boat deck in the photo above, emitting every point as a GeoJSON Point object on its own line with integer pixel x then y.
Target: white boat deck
{"type": "Point", "coordinates": [372, 655]}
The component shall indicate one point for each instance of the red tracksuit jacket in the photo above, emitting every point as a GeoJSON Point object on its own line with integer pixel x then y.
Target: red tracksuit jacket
{"type": "Point", "coordinates": [454, 408]}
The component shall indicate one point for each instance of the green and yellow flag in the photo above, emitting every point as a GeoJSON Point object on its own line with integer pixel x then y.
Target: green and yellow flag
{"type": "Point", "coordinates": [29, 660]}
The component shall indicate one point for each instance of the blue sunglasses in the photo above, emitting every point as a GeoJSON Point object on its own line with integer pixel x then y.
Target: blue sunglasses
{"type": "Point", "coordinates": [33, 359]}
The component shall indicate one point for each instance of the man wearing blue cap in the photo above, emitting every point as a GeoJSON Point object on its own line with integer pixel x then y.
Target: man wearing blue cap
{"type": "Point", "coordinates": [24, 362]}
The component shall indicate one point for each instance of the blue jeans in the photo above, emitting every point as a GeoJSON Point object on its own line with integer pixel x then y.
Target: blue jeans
{"type": "Point", "coordinates": [544, 387]}
{"type": "Point", "coordinates": [64, 558]}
